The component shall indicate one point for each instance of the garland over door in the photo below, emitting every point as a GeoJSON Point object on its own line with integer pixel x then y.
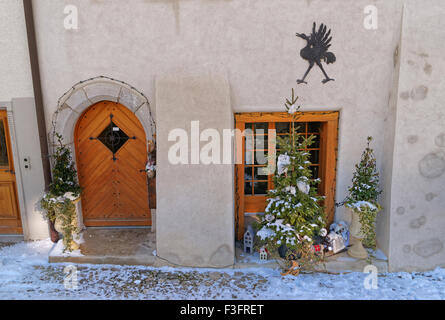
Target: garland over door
{"type": "Point", "coordinates": [111, 156]}
{"type": "Point", "coordinates": [9, 211]}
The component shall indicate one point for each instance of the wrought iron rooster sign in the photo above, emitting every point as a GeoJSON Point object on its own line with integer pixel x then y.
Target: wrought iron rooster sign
{"type": "Point", "coordinates": [316, 50]}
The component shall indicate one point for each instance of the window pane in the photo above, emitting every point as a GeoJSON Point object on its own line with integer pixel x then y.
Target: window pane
{"type": "Point", "coordinates": [261, 126]}
{"type": "Point", "coordinates": [261, 142]}
{"type": "Point", "coordinates": [261, 157]}
{"type": "Point", "coordinates": [249, 157]}
{"type": "Point", "coordinates": [282, 127]}
{"type": "Point", "coordinates": [4, 162]}
{"type": "Point", "coordinates": [300, 127]}
{"type": "Point", "coordinates": [248, 173]}
{"type": "Point", "coordinates": [248, 188]}
{"type": "Point", "coordinates": [260, 188]}
{"type": "Point", "coordinates": [249, 143]}
{"type": "Point", "coordinates": [315, 172]}
{"type": "Point", "coordinates": [314, 127]}
{"type": "Point", "coordinates": [260, 173]}
{"type": "Point", "coordinates": [315, 142]}
{"type": "Point", "coordinates": [314, 157]}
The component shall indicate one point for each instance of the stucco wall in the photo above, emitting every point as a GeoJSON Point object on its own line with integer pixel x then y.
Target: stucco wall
{"type": "Point", "coordinates": [16, 90]}
{"type": "Point", "coordinates": [30, 182]}
{"type": "Point", "coordinates": [15, 69]}
{"type": "Point", "coordinates": [254, 41]}
{"type": "Point", "coordinates": [194, 215]}
{"type": "Point", "coordinates": [254, 44]}
{"type": "Point", "coordinates": [418, 175]}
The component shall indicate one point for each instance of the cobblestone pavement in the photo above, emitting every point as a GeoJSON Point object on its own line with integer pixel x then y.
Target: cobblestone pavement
{"type": "Point", "coordinates": [110, 282]}
{"type": "Point", "coordinates": [26, 274]}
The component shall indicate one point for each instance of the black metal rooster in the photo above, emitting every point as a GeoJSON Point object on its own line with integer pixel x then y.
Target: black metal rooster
{"type": "Point", "coordinates": [316, 50]}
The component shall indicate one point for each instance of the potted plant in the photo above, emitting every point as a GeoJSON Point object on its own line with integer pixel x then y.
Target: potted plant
{"type": "Point", "coordinates": [63, 194]}
{"type": "Point", "coordinates": [363, 205]}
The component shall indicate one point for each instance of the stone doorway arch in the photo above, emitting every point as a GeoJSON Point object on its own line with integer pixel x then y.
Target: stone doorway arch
{"type": "Point", "coordinates": [86, 93]}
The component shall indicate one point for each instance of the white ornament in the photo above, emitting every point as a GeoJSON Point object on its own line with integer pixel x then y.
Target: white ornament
{"type": "Point", "coordinates": [292, 190]}
{"type": "Point", "coordinates": [323, 232]}
{"type": "Point", "coordinates": [292, 109]}
{"type": "Point", "coordinates": [269, 218]}
{"type": "Point", "coordinates": [283, 163]}
{"type": "Point", "coordinates": [303, 186]}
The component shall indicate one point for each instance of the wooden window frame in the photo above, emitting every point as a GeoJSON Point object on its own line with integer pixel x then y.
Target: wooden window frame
{"type": "Point", "coordinates": [328, 161]}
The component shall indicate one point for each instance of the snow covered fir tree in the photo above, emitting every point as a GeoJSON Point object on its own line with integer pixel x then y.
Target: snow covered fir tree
{"type": "Point", "coordinates": [294, 217]}
{"type": "Point", "coordinates": [364, 193]}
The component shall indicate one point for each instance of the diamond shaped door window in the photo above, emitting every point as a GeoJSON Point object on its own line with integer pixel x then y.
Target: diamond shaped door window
{"type": "Point", "coordinates": [113, 137]}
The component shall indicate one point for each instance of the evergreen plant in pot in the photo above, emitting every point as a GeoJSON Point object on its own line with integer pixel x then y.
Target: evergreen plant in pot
{"type": "Point", "coordinates": [63, 194]}
{"type": "Point", "coordinates": [363, 205]}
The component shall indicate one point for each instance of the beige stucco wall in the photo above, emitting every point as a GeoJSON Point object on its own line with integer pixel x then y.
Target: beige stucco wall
{"type": "Point", "coordinates": [194, 215]}
{"type": "Point", "coordinates": [253, 44]}
{"type": "Point", "coordinates": [15, 70]}
{"type": "Point", "coordinates": [418, 175]}
{"type": "Point", "coordinates": [30, 182]}
{"type": "Point", "coordinates": [16, 95]}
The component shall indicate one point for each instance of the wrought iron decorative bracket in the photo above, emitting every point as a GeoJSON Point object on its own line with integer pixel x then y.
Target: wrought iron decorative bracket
{"type": "Point", "coordinates": [113, 137]}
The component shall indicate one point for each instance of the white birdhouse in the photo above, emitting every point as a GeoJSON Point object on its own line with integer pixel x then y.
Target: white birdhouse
{"type": "Point", "coordinates": [248, 240]}
{"type": "Point", "coordinates": [263, 254]}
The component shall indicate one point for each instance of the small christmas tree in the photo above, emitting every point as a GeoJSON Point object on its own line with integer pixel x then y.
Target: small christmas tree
{"type": "Point", "coordinates": [363, 194]}
{"type": "Point", "coordinates": [64, 173]}
{"type": "Point", "coordinates": [294, 216]}
{"type": "Point", "coordinates": [58, 202]}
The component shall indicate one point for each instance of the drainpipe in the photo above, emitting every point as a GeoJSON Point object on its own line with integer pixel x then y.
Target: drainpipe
{"type": "Point", "coordinates": [38, 98]}
{"type": "Point", "coordinates": [35, 71]}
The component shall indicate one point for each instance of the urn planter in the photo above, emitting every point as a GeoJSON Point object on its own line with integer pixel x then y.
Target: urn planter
{"type": "Point", "coordinates": [58, 225]}
{"type": "Point", "coordinates": [356, 236]}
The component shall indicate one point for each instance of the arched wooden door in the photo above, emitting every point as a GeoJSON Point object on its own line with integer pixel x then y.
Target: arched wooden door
{"type": "Point", "coordinates": [111, 157]}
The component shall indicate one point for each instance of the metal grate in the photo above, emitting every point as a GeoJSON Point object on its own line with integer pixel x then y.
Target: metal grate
{"type": "Point", "coordinates": [113, 137]}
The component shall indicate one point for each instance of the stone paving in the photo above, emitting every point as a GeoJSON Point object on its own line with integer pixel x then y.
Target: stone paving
{"type": "Point", "coordinates": [26, 274]}
{"type": "Point", "coordinates": [108, 282]}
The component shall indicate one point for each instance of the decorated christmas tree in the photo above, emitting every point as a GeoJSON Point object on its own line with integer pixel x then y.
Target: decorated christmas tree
{"type": "Point", "coordinates": [294, 216]}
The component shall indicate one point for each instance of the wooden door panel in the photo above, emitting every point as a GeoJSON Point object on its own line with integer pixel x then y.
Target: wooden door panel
{"type": "Point", "coordinates": [7, 201]}
{"type": "Point", "coordinates": [114, 192]}
{"type": "Point", "coordinates": [10, 222]}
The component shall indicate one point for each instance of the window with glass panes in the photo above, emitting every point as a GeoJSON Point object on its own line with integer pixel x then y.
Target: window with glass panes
{"type": "Point", "coordinates": [253, 179]}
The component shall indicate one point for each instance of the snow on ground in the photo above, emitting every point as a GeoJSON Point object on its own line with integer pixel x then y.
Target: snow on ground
{"type": "Point", "coordinates": [26, 274]}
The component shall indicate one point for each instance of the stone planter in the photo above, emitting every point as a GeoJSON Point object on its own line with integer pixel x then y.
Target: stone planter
{"type": "Point", "coordinates": [153, 220]}
{"type": "Point", "coordinates": [356, 250]}
{"type": "Point", "coordinates": [58, 225]}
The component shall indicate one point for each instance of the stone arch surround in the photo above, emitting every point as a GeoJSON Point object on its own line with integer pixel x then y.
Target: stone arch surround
{"type": "Point", "coordinates": [85, 94]}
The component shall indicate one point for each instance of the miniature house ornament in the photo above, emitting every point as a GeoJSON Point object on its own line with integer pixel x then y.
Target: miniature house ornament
{"type": "Point", "coordinates": [248, 240]}
{"type": "Point", "coordinates": [264, 255]}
